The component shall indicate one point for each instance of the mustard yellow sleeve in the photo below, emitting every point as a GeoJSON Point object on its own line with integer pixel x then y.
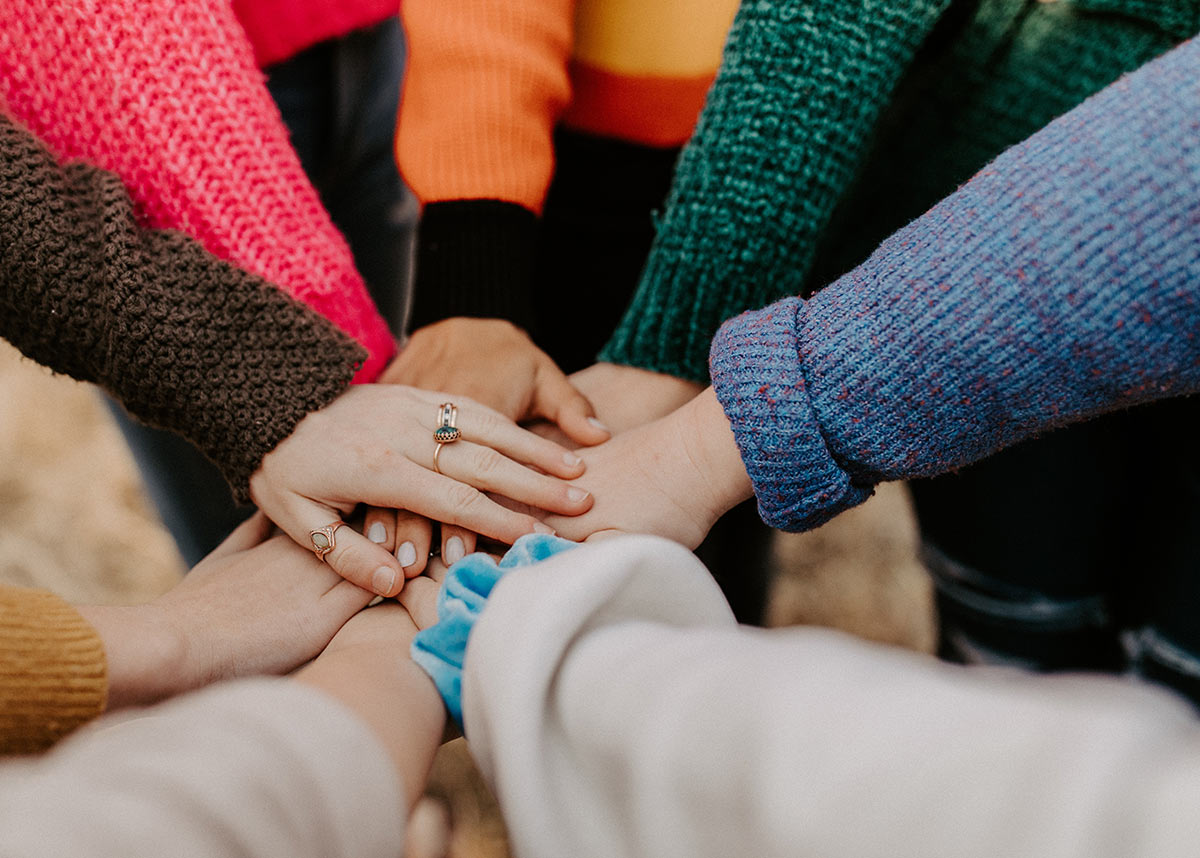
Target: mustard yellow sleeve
{"type": "Point", "coordinates": [53, 674]}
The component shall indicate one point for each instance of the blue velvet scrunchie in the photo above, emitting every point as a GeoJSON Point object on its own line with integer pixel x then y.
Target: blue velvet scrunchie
{"type": "Point", "coordinates": [441, 648]}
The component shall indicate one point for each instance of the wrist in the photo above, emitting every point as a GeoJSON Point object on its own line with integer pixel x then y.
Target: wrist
{"type": "Point", "coordinates": [146, 655]}
{"type": "Point", "coordinates": [393, 697]}
{"type": "Point", "coordinates": [715, 459]}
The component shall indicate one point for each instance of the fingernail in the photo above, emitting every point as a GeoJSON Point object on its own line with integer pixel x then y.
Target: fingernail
{"type": "Point", "coordinates": [383, 580]}
{"type": "Point", "coordinates": [454, 551]}
{"type": "Point", "coordinates": [543, 528]}
{"type": "Point", "coordinates": [599, 425]}
{"type": "Point", "coordinates": [575, 495]}
{"type": "Point", "coordinates": [406, 554]}
{"type": "Point", "coordinates": [572, 460]}
{"type": "Point", "coordinates": [377, 533]}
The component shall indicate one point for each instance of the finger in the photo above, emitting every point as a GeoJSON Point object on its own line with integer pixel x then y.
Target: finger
{"type": "Point", "coordinates": [491, 471]}
{"type": "Point", "coordinates": [556, 399]}
{"type": "Point", "coordinates": [354, 557]}
{"type": "Point", "coordinates": [447, 500]}
{"type": "Point", "coordinates": [436, 570]}
{"type": "Point", "coordinates": [601, 535]}
{"type": "Point", "coordinates": [246, 535]}
{"type": "Point", "coordinates": [457, 543]}
{"type": "Point", "coordinates": [419, 598]}
{"type": "Point", "coordinates": [414, 534]}
{"type": "Point", "coordinates": [379, 526]}
{"type": "Point", "coordinates": [482, 425]}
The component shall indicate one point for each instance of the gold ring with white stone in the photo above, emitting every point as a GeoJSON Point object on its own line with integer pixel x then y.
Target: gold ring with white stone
{"type": "Point", "coordinates": [323, 540]}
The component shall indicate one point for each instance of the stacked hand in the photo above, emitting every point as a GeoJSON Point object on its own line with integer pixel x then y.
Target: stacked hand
{"type": "Point", "coordinates": [257, 604]}
{"type": "Point", "coordinates": [673, 477]}
{"type": "Point", "coordinates": [497, 364]}
{"type": "Point", "coordinates": [375, 445]}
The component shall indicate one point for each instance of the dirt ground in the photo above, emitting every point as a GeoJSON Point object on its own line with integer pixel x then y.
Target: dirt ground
{"type": "Point", "coordinates": [73, 519]}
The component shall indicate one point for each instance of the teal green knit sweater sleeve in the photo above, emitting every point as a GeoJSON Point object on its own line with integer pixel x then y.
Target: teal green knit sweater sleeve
{"type": "Point", "coordinates": [786, 124]}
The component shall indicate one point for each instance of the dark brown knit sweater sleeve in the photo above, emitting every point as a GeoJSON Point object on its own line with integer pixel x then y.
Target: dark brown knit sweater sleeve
{"type": "Point", "coordinates": [184, 341]}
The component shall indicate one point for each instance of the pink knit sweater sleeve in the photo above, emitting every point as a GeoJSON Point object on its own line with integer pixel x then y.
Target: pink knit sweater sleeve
{"type": "Point", "coordinates": [165, 94]}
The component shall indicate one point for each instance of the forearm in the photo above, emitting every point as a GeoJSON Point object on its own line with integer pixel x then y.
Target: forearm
{"type": "Point", "coordinates": [247, 769]}
{"type": "Point", "coordinates": [1057, 284]}
{"type": "Point", "coordinates": [782, 133]}
{"type": "Point", "coordinates": [486, 84]}
{"type": "Point", "coordinates": [181, 339]}
{"type": "Point", "coordinates": [165, 94]}
{"type": "Point", "coordinates": [395, 699]}
{"type": "Point", "coordinates": [631, 717]}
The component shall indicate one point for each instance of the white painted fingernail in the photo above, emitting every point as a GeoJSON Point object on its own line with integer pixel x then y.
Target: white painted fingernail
{"type": "Point", "coordinates": [575, 495]}
{"type": "Point", "coordinates": [599, 425]}
{"type": "Point", "coordinates": [543, 528]}
{"type": "Point", "coordinates": [406, 554]}
{"type": "Point", "coordinates": [572, 460]}
{"type": "Point", "coordinates": [377, 533]}
{"type": "Point", "coordinates": [454, 551]}
{"type": "Point", "coordinates": [383, 580]}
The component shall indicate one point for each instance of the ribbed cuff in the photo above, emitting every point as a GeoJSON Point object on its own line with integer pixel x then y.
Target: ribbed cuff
{"type": "Point", "coordinates": [758, 376]}
{"type": "Point", "coordinates": [668, 327]}
{"type": "Point", "coordinates": [53, 676]}
{"type": "Point", "coordinates": [475, 258]}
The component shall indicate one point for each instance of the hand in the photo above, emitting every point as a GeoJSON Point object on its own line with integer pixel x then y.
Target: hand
{"type": "Point", "coordinates": [495, 363]}
{"type": "Point", "coordinates": [625, 396]}
{"type": "Point", "coordinates": [420, 595]}
{"type": "Point", "coordinates": [674, 477]}
{"type": "Point", "coordinates": [253, 606]}
{"type": "Point", "coordinates": [374, 445]}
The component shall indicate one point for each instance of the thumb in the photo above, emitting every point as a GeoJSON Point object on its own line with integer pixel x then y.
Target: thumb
{"type": "Point", "coordinates": [557, 400]}
{"type": "Point", "coordinates": [356, 558]}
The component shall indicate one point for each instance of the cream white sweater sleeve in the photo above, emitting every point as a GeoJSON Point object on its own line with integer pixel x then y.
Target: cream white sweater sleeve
{"type": "Point", "coordinates": [249, 769]}
{"type": "Point", "coordinates": [619, 711]}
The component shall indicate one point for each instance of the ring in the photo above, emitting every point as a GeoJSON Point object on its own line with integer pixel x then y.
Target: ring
{"type": "Point", "coordinates": [446, 432]}
{"type": "Point", "coordinates": [323, 540]}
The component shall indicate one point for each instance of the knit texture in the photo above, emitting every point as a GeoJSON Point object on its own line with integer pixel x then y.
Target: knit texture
{"type": "Point", "coordinates": [475, 258]}
{"type": "Point", "coordinates": [485, 85]}
{"type": "Point", "coordinates": [165, 94]}
{"type": "Point", "coordinates": [788, 118]}
{"type": "Point", "coordinates": [53, 675]}
{"type": "Point", "coordinates": [181, 339]}
{"type": "Point", "coordinates": [278, 29]}
{"type": "Point", "coordinates": [976, 88]}
{"type": "Point", "coordinates": [1059, 283]}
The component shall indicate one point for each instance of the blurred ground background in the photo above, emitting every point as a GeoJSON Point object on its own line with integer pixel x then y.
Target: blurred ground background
{"type": "Point", "coordinates": [73, 519]}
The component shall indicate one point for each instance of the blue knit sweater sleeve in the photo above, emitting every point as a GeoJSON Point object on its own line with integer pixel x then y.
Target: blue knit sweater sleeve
{"type": "Point", "coordinates": [1060, 282]}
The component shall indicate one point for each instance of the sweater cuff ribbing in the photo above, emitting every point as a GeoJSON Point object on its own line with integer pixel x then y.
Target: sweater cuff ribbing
{"type": "Point", "coordinates": [475, 258]}
{"type": "Point", "coordinates": [53, 677]}
{"type": "Point", "coordinates": [758, 375]}
{"type": "Point", "coordinates": [668, 326]}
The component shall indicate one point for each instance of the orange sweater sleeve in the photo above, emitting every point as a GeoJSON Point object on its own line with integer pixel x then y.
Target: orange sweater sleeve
{"type": "Point", "coordinates": [53, 674]}
{"type": "Point", "coordinates": [487, 81]}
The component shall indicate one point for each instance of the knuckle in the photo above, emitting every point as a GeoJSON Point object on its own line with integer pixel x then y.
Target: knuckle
{"type": "Point", "coordinates": [462, 498]}
{"type": "Point", "coordinates": [351, 563]}
{"type": "Point", "coordinates": [487, 462]}
{"type": "Point", "coordinates": [484, 420]}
